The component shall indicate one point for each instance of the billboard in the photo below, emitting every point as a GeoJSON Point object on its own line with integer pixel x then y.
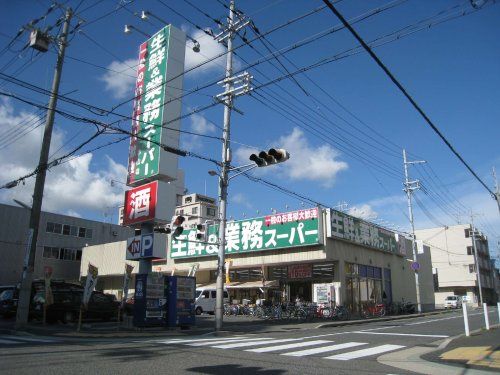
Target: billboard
{"type": "Point", "coordinates": [157, 107]}
{"type": "Point", "coordinates": [252, 235]}
{"type": "Point", "coordinates": [143, 204]}
{"type": "Point", "coordinates": [148, 245]}
{"type": "Point", "coordinates": [349, 228]}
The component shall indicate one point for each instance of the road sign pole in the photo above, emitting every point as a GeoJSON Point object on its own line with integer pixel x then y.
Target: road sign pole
{"type": "Point", "coordinates": [466, 319]}
{"type": "Point", "coordinates": [486, 317]}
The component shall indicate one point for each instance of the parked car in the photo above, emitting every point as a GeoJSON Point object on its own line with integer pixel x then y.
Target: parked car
{"type": "Point", "coordinates": [66, 306]}
{"type": "Point", "coordinates": [8, 302]}
{"type": "Point", "coordinates": [453, 302]}
{"type": "Point", "coordinates": [205, 300]}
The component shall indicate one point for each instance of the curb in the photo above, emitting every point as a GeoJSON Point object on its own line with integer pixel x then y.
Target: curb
{"type": "Point", "coordinates": [385, 319]}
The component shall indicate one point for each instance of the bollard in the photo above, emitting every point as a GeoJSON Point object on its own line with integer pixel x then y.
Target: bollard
{"type": "Point", "coordinates": [466, 319]}
{"type": "Point", "coordinates": [486, 317]}
{"type": "Point", "coordinates": [498, 311]}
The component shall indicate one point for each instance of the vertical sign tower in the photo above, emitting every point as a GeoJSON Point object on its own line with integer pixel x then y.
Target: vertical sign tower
{"type": "Point", "coordinates": [155, 123]}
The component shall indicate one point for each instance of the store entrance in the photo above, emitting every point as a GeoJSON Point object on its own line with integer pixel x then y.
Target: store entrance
{"type": "Point", "coordinates": [302, 289]}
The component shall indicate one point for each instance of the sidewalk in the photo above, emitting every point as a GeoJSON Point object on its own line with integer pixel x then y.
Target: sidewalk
{"type": "Point", "coordinates": [204, 324]}
{"type": "Point", "coordinates": [480, 351]}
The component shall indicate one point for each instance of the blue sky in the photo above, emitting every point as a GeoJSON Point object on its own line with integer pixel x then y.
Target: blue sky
{"type": "Point", "coordinates": [450, 68]}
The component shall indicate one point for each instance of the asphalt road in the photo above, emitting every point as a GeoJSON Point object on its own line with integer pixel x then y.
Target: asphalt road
{"type": "Point", "coordinates": [339, 350]}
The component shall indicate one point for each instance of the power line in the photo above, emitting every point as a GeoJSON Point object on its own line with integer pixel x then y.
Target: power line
{"type": "Point", "coordinates": [406, 94]}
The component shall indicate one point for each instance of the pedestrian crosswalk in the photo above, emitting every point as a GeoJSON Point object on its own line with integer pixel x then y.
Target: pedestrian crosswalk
{"type": "Point", "coordinates": [291, 347]}
{"type": "Point", "coordinates": [12, 340]}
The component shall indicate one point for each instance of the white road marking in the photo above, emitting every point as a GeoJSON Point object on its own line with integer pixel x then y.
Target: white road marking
{"type": "Point", "coordinates": [242, 341]}
{"type": "Point", "coordinates": [288, 346]}
{"type": "Point", "coordinates": [324, 349]}
{"type": "Point", "coordinates": [399, 334]}
{"type": "Point", "coordinates": [437, 320]}
{"type": "Point", "coordinates": [253, 343]}
{"type": "Point", "coordinates": [29, 339]}
{"type": "Point", "coordinates": [183, 341]}
{"type": "Point", "coordinates": [365, 352]}
{"type": "Point", "coordinates": [9, 342]}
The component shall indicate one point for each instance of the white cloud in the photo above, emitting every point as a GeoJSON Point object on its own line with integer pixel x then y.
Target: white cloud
{"type": "Point", "coordinates": [120, 80]}
{"type": "Point", "coordinates": [70, 187]}
{"type": "Point", "coordinates": [200, 125]}
{"type": "Point", "coordinates": [209, 48]}
{"type": "Point", "coordinates": [363, 211]}
{"type": "Point", "coordinates": [307, 162]}
{"type": "Point", "coordinates": [240, 199]}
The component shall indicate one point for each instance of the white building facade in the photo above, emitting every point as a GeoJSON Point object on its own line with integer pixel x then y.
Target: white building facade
{"type": "Point", "coordinates": [454, 265]}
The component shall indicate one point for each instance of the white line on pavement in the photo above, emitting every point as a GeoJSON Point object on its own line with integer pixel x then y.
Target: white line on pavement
{"type": "Point", "coordinates": [437, 320]}
{"type": "Point", "coordinates": [241, 341]}
{"type": "Point", "coordinates": [253, 343]}
{"type": "Point", "coordinates": [183, 341]}
{"type": "Point", "coordinates": [324, 349]}
{"type": "Point", "coordinates": [365, 352]}
{"type": "Point", "coordinates": [9, 342]}
{"type": "Point", "coordinates": [399, 334]}
{"type": "Point", "coordinates": [288, 346]}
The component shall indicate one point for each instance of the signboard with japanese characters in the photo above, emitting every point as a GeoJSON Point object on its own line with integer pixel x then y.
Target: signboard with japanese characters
{"type": "Point", "coordinates": [144, 246]}
{"type": "Point", "coordinates": [300, 271]}
{"type": "Point", "coordinates": [349, 228]}
{"type": "Point", "coordinates": [253, 235]}
{"type": "Point", "coordinates": [142, 203]}
{"type": "Point", "coordinates": [157, 107]}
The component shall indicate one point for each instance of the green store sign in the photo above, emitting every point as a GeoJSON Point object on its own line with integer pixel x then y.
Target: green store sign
{"type": "Point", "coordinates": [349, 228]}
{"type": "Point", "coordinates": [144, 153]}
{"type": "Point", "coordinates": [253, 235]}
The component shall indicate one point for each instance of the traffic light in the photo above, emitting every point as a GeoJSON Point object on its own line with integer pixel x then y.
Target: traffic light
{"type": "Point", "coordinates": [176, 226]}
{"type": "Point", "coordinates": [273, 156]}
{"type": "Point", "coordinates": [201, 232]}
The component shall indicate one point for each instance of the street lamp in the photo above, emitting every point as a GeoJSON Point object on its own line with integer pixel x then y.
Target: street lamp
{"type": "Point", "coordinates": [146, 14]}
{"type": "Point", "coordinates": [128, 30]}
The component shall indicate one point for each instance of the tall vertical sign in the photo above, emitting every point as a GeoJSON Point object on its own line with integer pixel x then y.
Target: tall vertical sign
{"type": "Point", "coordinates": [157, 107]}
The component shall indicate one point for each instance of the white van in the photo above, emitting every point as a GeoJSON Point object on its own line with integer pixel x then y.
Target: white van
{"type": "Point", "coordinates": [205, 300]}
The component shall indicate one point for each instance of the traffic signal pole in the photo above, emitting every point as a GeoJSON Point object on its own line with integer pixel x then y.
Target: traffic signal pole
{"type": "Point", "coordinates": [223, 176]}
{"type": "Point", "coordinates": [29, 261]}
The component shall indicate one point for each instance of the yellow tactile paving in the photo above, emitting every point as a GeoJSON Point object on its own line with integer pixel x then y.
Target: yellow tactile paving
{"type": "Point", "coordinates": [475, 355]}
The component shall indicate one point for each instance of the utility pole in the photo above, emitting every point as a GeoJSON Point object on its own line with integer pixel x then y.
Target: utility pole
{"type": "Point", "coordinates": [29, 261]}
{"type": "Point", "coordinates": [478, 268]}
{"type": "Point", "coordinates": [409, 187]}
{"type": "Point", "coordinates": [227, 99]}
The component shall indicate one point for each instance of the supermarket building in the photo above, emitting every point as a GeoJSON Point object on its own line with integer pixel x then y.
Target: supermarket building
{"type": "Point", "coordinates": [291, 255]}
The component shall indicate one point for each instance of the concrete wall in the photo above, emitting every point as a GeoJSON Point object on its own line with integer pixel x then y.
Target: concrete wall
{"type": "Point", "coordinates": [13, 240]}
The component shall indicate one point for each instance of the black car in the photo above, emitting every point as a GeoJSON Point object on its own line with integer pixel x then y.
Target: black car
{"type": "Point", "coordinates": [8, 302]}
{"type": "Point", "coordinates": [66, 306]}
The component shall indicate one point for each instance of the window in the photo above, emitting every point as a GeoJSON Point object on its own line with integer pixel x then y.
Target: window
{"type": "Point", "coordinates": [470, 250]}
{"type": "Point", "coordinates": [88, 233]}
{"type": "Point", "coordinates": [322, 271]}
{"type": "Point", "coordinates": [73, 231]}
{"type": "Point", "coordinates": [213, 293]}
{"type": "Point", "coordinates": [81, 232]}
{"type": "Point", "coordinates": [57, 228]}
{"type": "Point", "coordinates": [467, 233]}
{"type": "Point", "coordinates": [50, 252]}
{"type": "Point", "coordinates": [205, 294]}
{"type": "Point", "coordinates": [65, 230]}
{"type": "Point", "coordinates": [472, 268]}
{"type": "Point", "coordinates": [188, 200]}
{"type": "Point", "coordinates": [50, 227]}
{"type": "Point", "coordinates": [210, 211]}
{"type": "Point", "coordinates": [78, 255]}
{"type": "Point", "coordinates": [276, 273]}
{"type": "Point", "coordinates": [194, 210]}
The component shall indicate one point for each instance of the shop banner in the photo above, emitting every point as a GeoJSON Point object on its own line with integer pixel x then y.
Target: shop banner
{"type": "Point", "coordinates": [126, 282]}
{"type": "Point", "coordinates": [349, 228]}
{"type": "Point", "coordinates": [252, 235]}
{"type": "Point", "coordinates": [140, 204]}
{"type": "Point", "coordinates": [90, 284]}
{"type": "Point", "coordinates": [300, 271]}
{"type": "Point", "coordinates": [49, 298]}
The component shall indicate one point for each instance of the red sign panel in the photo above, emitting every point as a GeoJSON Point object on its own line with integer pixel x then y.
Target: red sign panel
{"type": "Point", "coordinates": [300, 271]}
{"type": "Point", "coordinates": [288, 217]}
{"type": "Point", "coordinates": [140, 204]}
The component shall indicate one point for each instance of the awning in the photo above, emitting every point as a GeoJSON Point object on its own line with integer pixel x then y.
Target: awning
{"type": "Point", "coordinates": [243, 285]}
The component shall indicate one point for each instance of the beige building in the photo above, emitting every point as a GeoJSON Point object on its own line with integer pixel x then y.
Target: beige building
{"type": "Point", "coordinates": [288, 255]}
{"type": "Point", "coordinates": [197, 209]}
{"type": "Point", "coordinates": [454, 265]}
